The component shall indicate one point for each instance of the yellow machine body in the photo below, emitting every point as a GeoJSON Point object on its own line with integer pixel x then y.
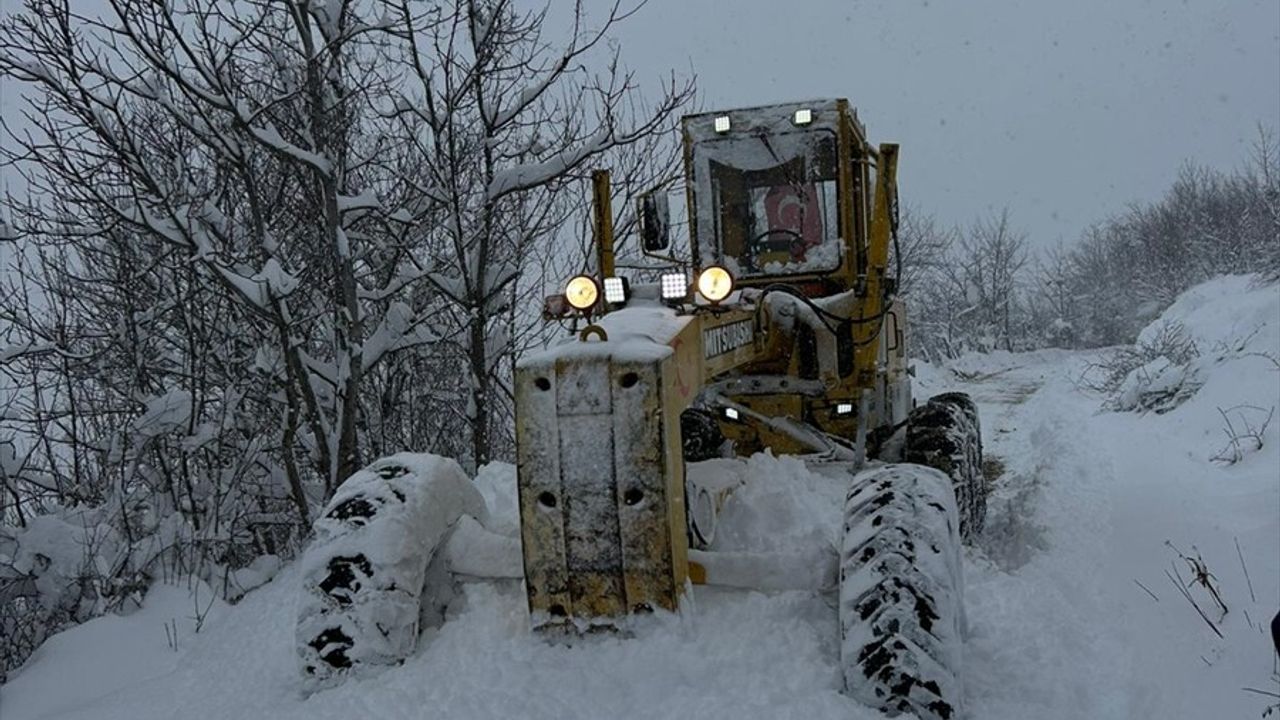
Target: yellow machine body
{"type": "Point", "coordinates": [806, 356]}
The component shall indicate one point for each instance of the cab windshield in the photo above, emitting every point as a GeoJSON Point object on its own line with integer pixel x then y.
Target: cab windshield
{"type": "Point", "coordinates": [766, 203]}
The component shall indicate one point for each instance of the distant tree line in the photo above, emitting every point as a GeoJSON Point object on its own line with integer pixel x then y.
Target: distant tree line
{"type": "Point", "coordinates": [982, 288]}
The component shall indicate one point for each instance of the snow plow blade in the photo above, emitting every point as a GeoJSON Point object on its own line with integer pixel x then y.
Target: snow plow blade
{"type": "Point", "coordinates": [601, 490]}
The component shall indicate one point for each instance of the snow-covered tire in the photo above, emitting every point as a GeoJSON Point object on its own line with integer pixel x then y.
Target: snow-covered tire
{"type": "Point", "coordinates": [944, 434]}
{"type": "Point", "coordinates": [365, 574]}
{"type": "Point", "coordinates": [901, 592]}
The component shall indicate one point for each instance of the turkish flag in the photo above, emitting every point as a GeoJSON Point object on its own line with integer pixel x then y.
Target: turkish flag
{"type": "Point", "coordinates": [795, 208]}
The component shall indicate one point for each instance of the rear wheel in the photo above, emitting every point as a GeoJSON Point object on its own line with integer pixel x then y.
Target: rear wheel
{"type": "Point", "coordinates": [700, 435]}
{"type": "Point", "coordinates": [901, 592]}
{"type": "Point", "coordinates": [944, 434]}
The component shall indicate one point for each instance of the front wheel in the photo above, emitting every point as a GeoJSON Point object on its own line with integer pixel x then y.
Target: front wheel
{"type": "Point", "coordinates": [901, 592]}
{"type": "Point", "coordinates": [368, 580]}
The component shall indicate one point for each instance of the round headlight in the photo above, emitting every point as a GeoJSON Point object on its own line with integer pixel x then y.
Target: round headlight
{"type": "Point", "coordinates": [715, 283]}
{"type": "Point", "coordinates": [582, 292]}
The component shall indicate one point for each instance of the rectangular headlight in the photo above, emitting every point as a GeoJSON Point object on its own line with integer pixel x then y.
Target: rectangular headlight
{"type": "Point", "coordinates": [722, 124]}
{"type": "Point", "coordinates": [675, 286]}
{"type": "Point", "coordinates": [615, 290]}
{"type": "Point", "coordinates": [731, 413]}
{"type": "Point", "coordinates": [844, 408]}
{"type": "Point", "coordinates": [803, 117]}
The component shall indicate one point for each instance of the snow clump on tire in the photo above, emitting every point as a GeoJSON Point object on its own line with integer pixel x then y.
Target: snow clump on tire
{"type": "Point", "coordinates": [364, 576]}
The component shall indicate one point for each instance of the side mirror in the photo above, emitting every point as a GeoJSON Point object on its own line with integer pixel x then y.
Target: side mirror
{"type": "Point", "coordinates": [655, 221]}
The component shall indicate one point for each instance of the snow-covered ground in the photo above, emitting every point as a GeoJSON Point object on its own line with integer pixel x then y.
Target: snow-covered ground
{"type": "Point", "coordinates": [1061, 624]}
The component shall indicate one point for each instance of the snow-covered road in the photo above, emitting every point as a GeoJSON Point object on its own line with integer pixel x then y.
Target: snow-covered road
{"type": "Point", "coordinates": [1060, 627]}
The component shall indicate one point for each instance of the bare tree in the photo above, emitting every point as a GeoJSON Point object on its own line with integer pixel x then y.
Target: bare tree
{"type": "Point", "coordinates": [1263, 186]}
{"type": "Point", "coordinates": [1052, 307]}
{"type": "Point", "coordinates": [505, 122]}
{"type": "Point", "coordinates": [923, 245]}
{"type": "Point", "coordinates": [991, 256]}
{"type": "Point", "coordinates": [968, 286]}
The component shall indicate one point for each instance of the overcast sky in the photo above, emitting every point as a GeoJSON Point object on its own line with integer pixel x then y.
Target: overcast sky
{"type": "Point", "coordinates": [1064, 111]}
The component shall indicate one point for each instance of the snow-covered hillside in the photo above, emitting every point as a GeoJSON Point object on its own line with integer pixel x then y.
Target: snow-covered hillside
{"type": "Point", "coordinates": [1071, 612]}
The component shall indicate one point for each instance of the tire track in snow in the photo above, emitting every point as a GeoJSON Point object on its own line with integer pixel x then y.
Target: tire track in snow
{"type": "Point", "coordinates": [1043, 641]}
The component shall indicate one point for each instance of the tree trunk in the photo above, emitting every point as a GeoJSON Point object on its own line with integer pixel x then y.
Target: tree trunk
{"type": "Point", "coordinates": [481, 450]}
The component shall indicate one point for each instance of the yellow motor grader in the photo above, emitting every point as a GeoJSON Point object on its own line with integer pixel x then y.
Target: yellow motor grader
{"type": "Point", "coordinates": [786, 335]}
{"type": "Point", "coordinates": [782, 332]}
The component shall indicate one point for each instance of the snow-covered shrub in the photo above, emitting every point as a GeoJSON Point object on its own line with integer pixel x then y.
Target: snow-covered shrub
{"type": "Point", "coordinates": [1159, 386]}
{"type": "Point", "coordinates": [173, 495]}
{"type": "Point", "coordinates": [1157, 373]}
{"type": "Point", "coordinates": [1245, 427]}
{"type": "Point", "coordinates": [1208, 328]}
{"type": "Point", "coordinates": [60, 569]}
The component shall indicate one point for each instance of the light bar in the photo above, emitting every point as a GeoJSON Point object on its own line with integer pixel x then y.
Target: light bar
{"type": "Point", "coordinates": [731, 413]}
{"type": "Point", "coordinates": [803, 117]}
{"type": "Point", "coordinates": [615, 290]}
{"type": "Point", "coordinates": [675, 286]}
{"type": "Point", "coordinates": [844, 408]}
{"type": "Point", "coordinates": [722, 124]}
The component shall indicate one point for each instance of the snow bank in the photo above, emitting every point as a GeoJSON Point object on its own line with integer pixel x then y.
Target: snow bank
{"type": "Point", "coordinates": [1223, 311]}
{"type": "Point", "coordinates": [1072, 611]}
{"type": "Point", "coordinates": [497, 483]}
{"type": "Point", "coordinates": [1228, 327]}
{"type": "Point", "coordinates": [1234, 413]}
{"type": "Point", "coordinates": [75, 667]}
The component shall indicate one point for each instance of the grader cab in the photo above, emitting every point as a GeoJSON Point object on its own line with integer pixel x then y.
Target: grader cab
{"type": "Point", "coordinates": [778, 328]}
